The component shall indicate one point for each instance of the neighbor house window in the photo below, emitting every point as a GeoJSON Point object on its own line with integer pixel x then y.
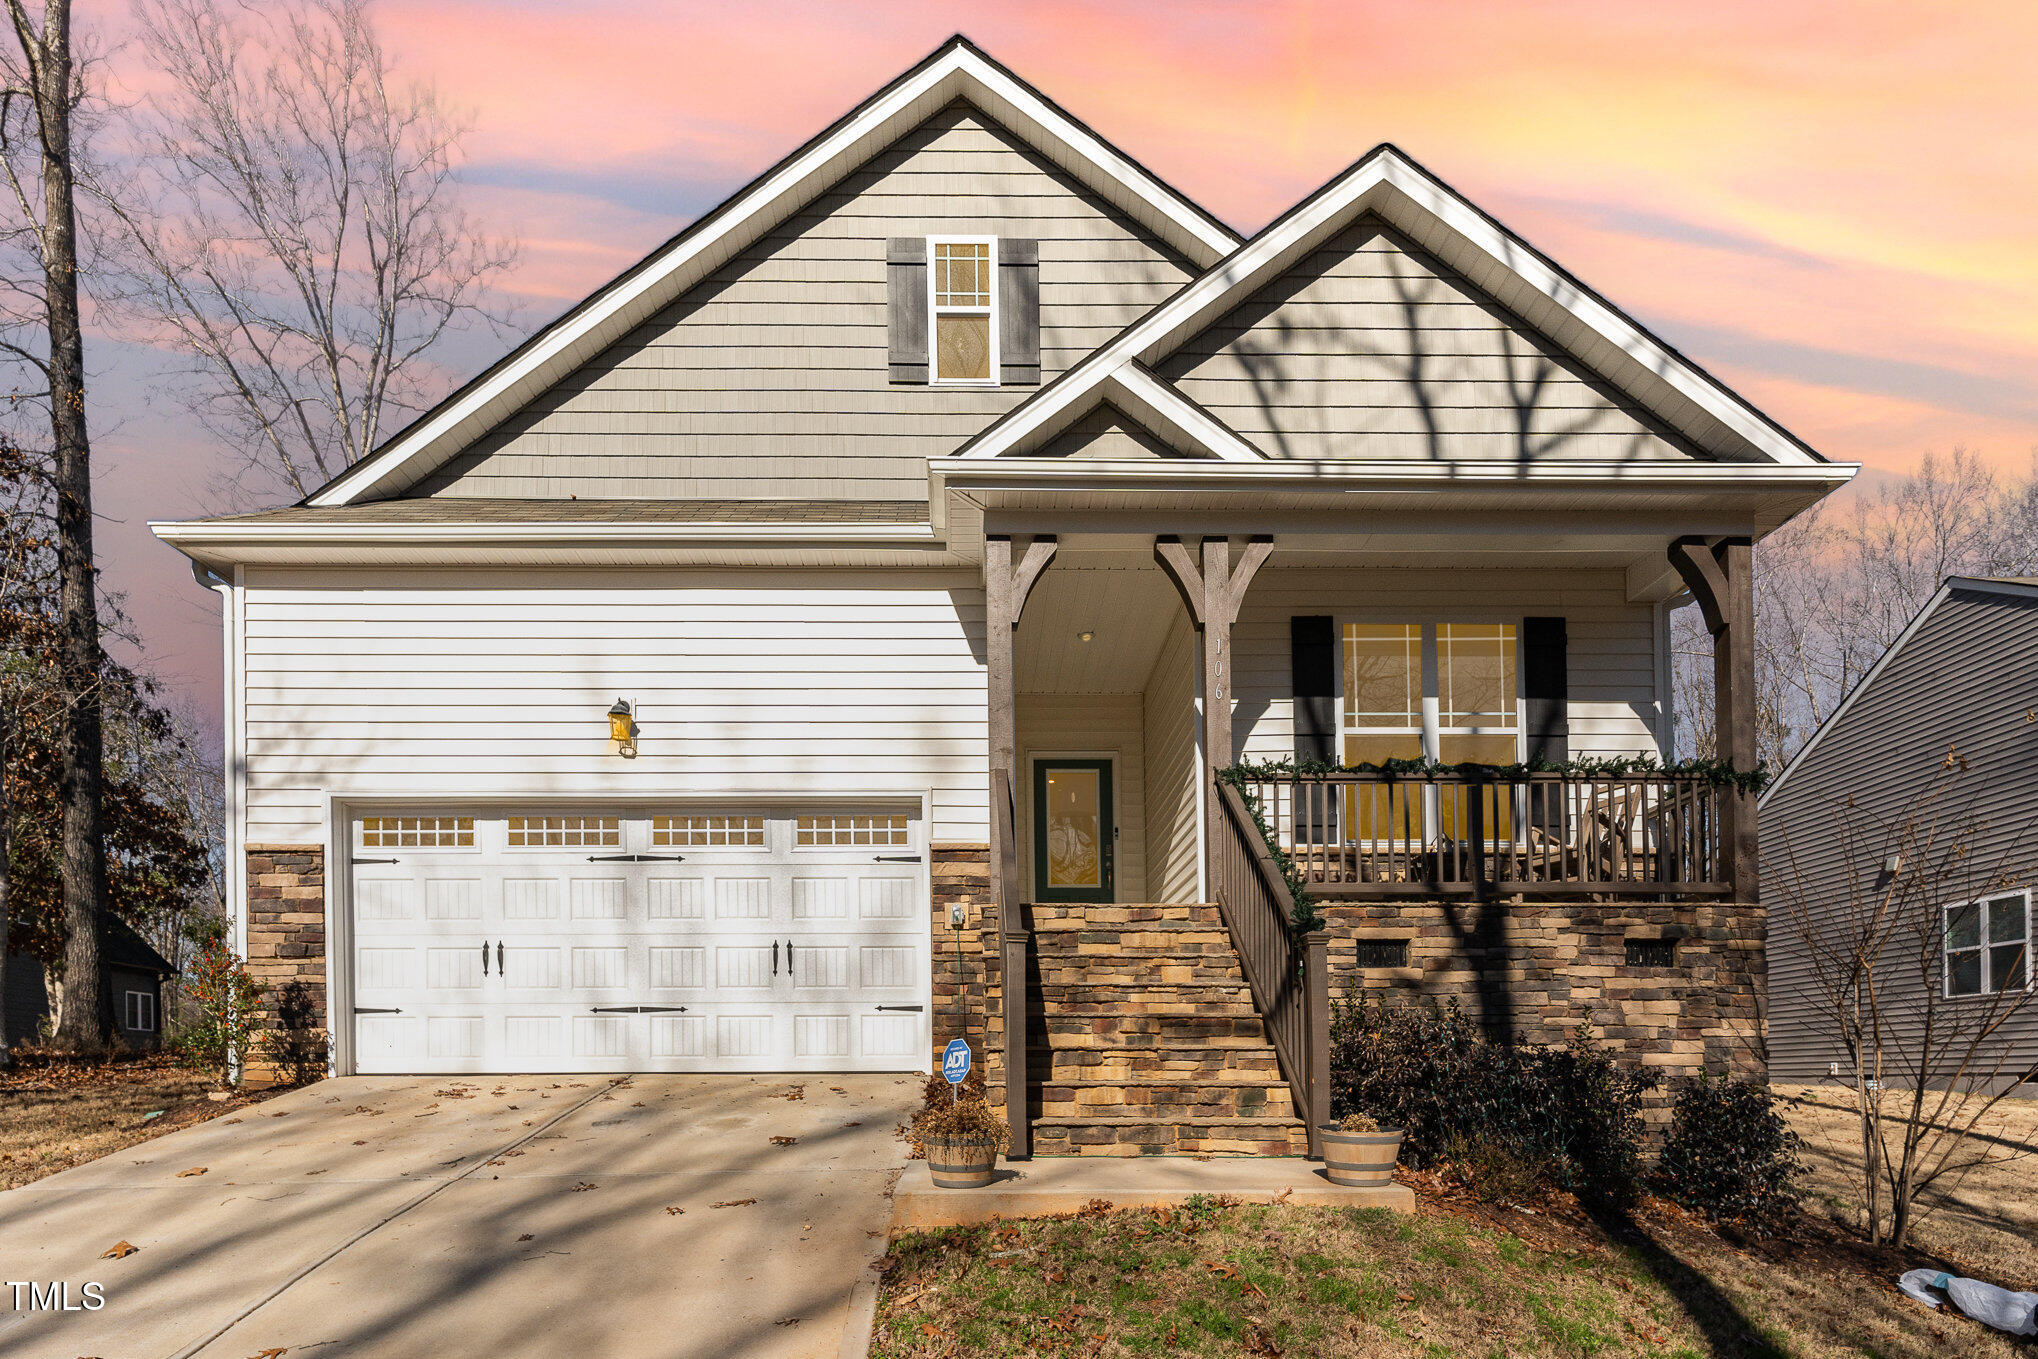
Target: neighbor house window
{"type": "Point", "coordinates": [141, 1012]}
{"type": "Point", "coordinates": [1440, 691]}
{"type": "Point", "coordinates": [1988, 945]}
{"type": "Point", "coordinates": [963, 343]}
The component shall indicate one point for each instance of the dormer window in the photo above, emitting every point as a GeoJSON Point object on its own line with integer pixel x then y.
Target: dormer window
{"type": "Point", "coordinates": [962, 275]}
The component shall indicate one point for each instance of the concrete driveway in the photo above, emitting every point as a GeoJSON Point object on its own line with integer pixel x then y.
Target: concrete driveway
{"type": "Point", "coordinates": [474, 1216]}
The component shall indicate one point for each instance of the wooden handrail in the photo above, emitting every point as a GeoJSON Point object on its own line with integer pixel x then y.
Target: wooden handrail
{"type": "Point", "coordinates": [1473, 833]}
{"type": "Point", "coordinates": [1286, 975]}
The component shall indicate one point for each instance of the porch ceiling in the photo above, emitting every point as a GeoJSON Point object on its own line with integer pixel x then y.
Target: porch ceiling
{"type": "Point", "coordinates": [1124, 602]}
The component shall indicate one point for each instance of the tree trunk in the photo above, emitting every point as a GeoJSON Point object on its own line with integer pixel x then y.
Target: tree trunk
{"type": "Point", "coordinates": [6, 882]}
{"type": "Point", "coordinates": [88, 1010]}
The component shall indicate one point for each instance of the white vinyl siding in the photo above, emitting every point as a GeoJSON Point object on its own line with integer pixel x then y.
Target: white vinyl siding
{"type": "Point", "coordinates": [441, 685]}
{"type": "Point", "coordinates": [770, 379]}
{"type": "Point", "coordinates": [1610, 641]}
{"type": "Point", "coordinates": [1172, 768]}
{"type": "Point", "coordinates": [1364, 349]}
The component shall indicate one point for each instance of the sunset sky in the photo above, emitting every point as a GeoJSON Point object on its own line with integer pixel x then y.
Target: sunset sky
{"type": "Point", "coordinates": [1834, 207]}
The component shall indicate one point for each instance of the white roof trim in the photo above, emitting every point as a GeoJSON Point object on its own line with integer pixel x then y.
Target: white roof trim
{"type": "Point", "coordinates": [1940, 596]}
{"type": "Point", "coordinates": [1440, 221]}
{"type": "Point", "coordinates": [957, 70]}
{"type": "Point", "coordinates": [1403, 472]}
{"type": "Point", "coordinates": [1161, 405]}
{"type": "Point", "coordinates": [187, 536]}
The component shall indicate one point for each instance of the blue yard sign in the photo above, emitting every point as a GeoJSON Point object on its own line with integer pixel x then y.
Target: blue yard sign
{"type": "Point", "coordinates": [955, 1061]}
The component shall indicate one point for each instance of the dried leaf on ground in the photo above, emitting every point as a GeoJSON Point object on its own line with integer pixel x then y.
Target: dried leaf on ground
{"type": "Point", "coordinates": [733, 1203]}
{"type": "Point", "coordinates": [674, 1212]}
{"type": "Point", "coordinates": [118, 1251]}
{"type": "Point", "coordinates": [783, 1141]}
{"type": "Point", "coordinates": [187, 1174]}
{"type": "Point", "coordinates": [582, 1188]}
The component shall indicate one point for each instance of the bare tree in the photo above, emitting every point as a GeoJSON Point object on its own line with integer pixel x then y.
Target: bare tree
{"type": "Point", "coordinates": [42, 93]}
{"type": "Point", "coordinates": [1926, 1052]}
{"type": "Point", "coordinates": [1836, 586]}
{"type": "Point", "coordinates": [295, 229]}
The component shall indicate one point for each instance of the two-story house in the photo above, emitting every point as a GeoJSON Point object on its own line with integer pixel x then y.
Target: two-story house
{"type": "Point", "coordinates": [827, 639]}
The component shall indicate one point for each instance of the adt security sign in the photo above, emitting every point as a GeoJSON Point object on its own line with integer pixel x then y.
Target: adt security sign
{"type": "Point", "coordinates": [955, 1061]}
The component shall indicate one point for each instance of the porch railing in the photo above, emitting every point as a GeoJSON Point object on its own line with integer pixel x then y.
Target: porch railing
{"type": "Point", "coordinates": [1465, 833]}
{"type": "Point", "coordinates": [1287, 975]}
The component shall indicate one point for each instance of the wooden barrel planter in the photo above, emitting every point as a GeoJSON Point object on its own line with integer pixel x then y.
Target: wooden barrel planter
{"type": "Point", "coordinates": [960, 1162]}
{"type": "Point", "coordinates": [1360, 1158]}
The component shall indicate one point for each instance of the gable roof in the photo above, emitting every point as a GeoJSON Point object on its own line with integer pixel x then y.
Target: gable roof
{"type": "Point", "coordinates": [2014, 586]}
{"type": "Point", "coordinates": [1388, 184]}
{"type": "Point", "coordinates": [958, 69]}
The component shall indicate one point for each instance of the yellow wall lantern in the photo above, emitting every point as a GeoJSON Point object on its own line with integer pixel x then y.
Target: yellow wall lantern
{"type": "Point", "coordinates": [622, 730]}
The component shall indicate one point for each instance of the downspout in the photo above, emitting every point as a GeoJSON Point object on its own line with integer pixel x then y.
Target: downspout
{"type": "Point", "coordinates": [236, 858]}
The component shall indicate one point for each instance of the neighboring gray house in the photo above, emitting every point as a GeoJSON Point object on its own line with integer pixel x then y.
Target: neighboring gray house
{"type": "Point", "coordinates": [135, 973]}
{"type": "Point", "coordinates": [850, 607]}
{"type": "Point", "coordinates": [1962, 679]}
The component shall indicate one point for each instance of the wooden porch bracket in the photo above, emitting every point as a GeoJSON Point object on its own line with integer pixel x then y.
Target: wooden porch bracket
{"type": "Point", "coordinates": [1007, 584]}
{"type": "Point", "coordinates": [1213, 583]}
{"type": "Point", "coordinates": [1720, 575]}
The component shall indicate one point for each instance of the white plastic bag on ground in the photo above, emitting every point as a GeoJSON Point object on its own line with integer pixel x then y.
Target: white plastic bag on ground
{"type": "Point", "coordinates": [2016, 1313]}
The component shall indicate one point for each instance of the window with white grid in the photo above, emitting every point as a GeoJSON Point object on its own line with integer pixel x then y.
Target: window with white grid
{"type": "Point", "coordinates": [417, 832]}
{"type": "Point", "coordinates": [821, 831]}
{"type": "Point", "coordinates": [565, 832]}
{"type": "Point", "coordinates": [964, 344]}
{"type": "Point", "coordinates": [707, 832]}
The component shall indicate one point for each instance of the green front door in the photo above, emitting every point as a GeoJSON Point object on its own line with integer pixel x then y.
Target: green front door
{"type": "Point", "coordinates": [1074, 832]}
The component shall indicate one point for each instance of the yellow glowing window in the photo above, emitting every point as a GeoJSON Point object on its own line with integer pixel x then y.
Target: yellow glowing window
{"type": "Point", "coordinates": [707, 832]}
{"type": "Point", "coordinates": [565, 832]}
{"type": "Point", "coordinates": [892, 831]}
{"type": "Point", "coordinates": [964, 323]}
{"type": "Point", "coordinates": [417, 832]}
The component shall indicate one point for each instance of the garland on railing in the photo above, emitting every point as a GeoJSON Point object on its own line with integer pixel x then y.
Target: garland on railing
{"type": "Point", "coordinates": [1720, 773]}
{"type": "Point", "coordinates": [1305, 916]}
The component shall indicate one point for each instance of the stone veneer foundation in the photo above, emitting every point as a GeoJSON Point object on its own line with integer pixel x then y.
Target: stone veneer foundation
{"type": "Point", "coordinates": [286, 937]}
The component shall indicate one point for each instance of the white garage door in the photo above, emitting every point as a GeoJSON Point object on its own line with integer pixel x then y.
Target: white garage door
{"type": "Point", "coordinates": [577, 940]}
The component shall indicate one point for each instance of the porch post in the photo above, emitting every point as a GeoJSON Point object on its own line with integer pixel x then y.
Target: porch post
{"type": "Point", "coordinates": [1006, 586]}
{"type": "Point", "coordinates": [1212, 583]}
{"type": "Point", "coordinates": [1721, 578]}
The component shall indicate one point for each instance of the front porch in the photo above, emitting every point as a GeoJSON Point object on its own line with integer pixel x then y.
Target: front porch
{"type": "Point", "coordinates": [1170, 1002]}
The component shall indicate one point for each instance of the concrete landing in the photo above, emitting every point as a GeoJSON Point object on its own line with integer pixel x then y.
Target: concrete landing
{"type": "Point", "coordinates": [1047, 1185]}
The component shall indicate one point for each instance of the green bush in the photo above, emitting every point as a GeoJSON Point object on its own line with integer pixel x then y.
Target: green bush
{"type": "Point", "coordinates": [1567, 1115]}
{"type": "Point", "coordinates": [1729, 1155]}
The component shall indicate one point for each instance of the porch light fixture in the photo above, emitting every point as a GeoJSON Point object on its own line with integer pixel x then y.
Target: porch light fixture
{"type": "Point", "coordinates": [622, 730]}
{"type": "Point", "coordinates": [1086, 636]}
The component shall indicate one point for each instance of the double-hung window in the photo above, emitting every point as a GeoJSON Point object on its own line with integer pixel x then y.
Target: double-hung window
{"type": "Point", "coordinates": [1448, 692]}
{"type": "Point", "coordinates": [962, 281]}
{"type": "Point", "coordinates": [1988, 945]}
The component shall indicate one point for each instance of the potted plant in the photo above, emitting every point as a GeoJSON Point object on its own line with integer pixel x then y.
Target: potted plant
{"type": "Point", "coordinates": [958, 1133]}
{"type": "Point", "coordinates": [1358, 1151]}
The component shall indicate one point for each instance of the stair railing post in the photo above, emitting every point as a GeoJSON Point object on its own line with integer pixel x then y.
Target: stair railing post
{"type": "Point", "coordinates": [1015, 939]}
{"type": "Point", "coordinates": [1316, 1033]}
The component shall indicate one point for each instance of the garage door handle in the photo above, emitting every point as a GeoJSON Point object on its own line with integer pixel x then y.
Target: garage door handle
{"type": "Point", "coordinates": [635, 858]}
{"type": "Point", "coordinates": [638, 1010]}
{"type": "Point", "coordinates": [372, 861]}
{"type": "Point", "coordinates": [375, 1010]}
{"type": "Point", "coordinates": [484, 957]}
{"type": "Point", "coordinates": [498, 957]}
{"type": "Point", "coordinates": [910, 1009]}
{"type": "Point", "coordinates": [897, 858]}
{"type": "Point", "coordinates": [774, 957]}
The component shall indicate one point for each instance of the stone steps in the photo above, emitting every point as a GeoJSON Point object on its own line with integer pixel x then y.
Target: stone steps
{"type": "Point", "coordinates": [1144, 1039]}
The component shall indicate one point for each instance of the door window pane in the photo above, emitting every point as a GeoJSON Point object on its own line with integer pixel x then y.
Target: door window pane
{"type": "Point", "coordinates": [1075, 829]}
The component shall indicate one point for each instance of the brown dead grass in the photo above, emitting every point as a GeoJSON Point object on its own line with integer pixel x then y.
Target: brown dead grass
{"type": "Point", "coordinates": [1456, 1278]}
{"type": "Point", "coordinates": [56, 1113]}
{"type": "Point", "coordinates": [1985, 1215]}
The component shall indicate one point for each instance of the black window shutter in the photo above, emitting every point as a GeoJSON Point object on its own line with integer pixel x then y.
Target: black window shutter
{"type": "Point", "coordinates": [906, 307]}
{"type": "Point", "coordinates": [1312, 650]}
{"type": "Point", "coordinates": [1018, 311]}
{"type": "Point", "coordinates": [1546, 689]}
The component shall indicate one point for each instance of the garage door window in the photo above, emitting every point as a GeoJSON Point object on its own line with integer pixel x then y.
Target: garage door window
{"type": "Point", "coordinates": [417, 832]}
{"type": "Point", "coordinates": [707, 832]}
{"type": "Point", "coordinates": [818, 831]}
{"type": "Point", "coordinates": [565, 832]}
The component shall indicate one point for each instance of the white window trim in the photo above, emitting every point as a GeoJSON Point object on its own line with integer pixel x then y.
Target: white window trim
{"type": "Point", "coordinates": [1432, 730]}
{"type": "Point", "coordinates": [934, 378]}
{"type": "Point", "coordinates": [1981, 949]}
{"type": "Point", "coordinates": [130, 1011]}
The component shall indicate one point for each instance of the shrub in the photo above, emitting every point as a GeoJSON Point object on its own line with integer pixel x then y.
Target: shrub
{"type": "Point", "coordinates": [1729, 1155]}
{"type": "Point", "coordinates": [1569, 1116]}
{"type": "Point", "coordinates": [224, 997]}
{"type": "Point", "coordinates": [959, 1111]}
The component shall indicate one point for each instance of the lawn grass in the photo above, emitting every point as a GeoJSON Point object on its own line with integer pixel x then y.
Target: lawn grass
{"type": "Point", "coordinates": [57, 1113]}
{"type": "Point", "coordinates": [1225, 1279]}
